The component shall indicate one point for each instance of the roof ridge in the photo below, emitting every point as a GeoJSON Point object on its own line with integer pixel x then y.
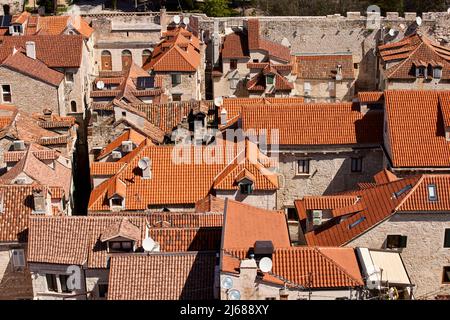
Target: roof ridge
{"type": "Point", "coordinates": [407, 59]}
{"type": "Point", "coordinates": [408, 195]}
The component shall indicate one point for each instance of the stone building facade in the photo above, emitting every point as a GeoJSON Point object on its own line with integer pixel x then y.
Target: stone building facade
{"type": "Point", "coordinates": [10, 7]}
{"type": "Point", "coordinates": [425, 255]}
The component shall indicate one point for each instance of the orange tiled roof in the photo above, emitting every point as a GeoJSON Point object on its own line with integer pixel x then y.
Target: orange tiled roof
{"type": "Point", "coordinates": [245, 224]}
{"type": "Point", "coordinates": [171, 181]}
{"type": "Point", "coordinates": [373, 205]}
{"type": "Point", "coordinates": [56, 25]}
{"type": "Point", "coordinates": [370, 96]}
{"type": "Point", "coordinates": [5, 121]}
{"type": "Point", "coordinates": [407, 52]}
{"type": "Point", "coordinates": [187, 239]}
{"type": "Point", "coordinates": [106, 168]}
{"type": "Point", "coordinates": [318, 268]}
{"type": "Point", "coordinates": [33, 68]}
{"type": "Point", "coordinates": [324, 66]}
{"type": "Point", "coordinates": [176, 53]}
{"type": "Point", "coordinates": [184, 276]}
{"type": "Point", "coordinates": [62, 51]}
{"type": "Point", "coordinates": [235, 46]}
{"type": "Point", "coordinates": [312, 124]}
{"type": "Point", "coordinates": [30, 164]}
{"type": "Point", "coordinates": [210, 204]}
{"type": "Point", "coordinates": [258, 82]}
{"type": "Point", "coordinates": [411, 141]}
{"type": "Point", "coordinates": [127, 135]}
{"type": "Point", "coordinates": [124, 229]}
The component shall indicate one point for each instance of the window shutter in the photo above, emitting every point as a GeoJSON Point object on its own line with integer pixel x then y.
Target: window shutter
{"type": "Point", "coordinates": [11, 29]}
{"type": "Point", "coordinates": [402, 242]}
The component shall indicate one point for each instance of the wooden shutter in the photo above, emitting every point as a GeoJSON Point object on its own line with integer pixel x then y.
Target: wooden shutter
{"type": "Point", "coordinates": [106, 63]}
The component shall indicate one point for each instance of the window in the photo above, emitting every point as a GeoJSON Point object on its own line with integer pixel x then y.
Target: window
{"type": "Point", "coordinates": [51, 282]}
{"type": "Point", "coordinates": [437, 73]}
{"type": "Point", "coordinates": [176, 97]}
{"type": "Point", "coordinates": [420, 72]}
{"type": "Point", "coordinates": [121, 246]}
{"type": "Point", "coordinates": [447, 238]}
{"type": "Point", "coordinates": [116, 202]}
{"type": "Point", "coordinates": [402, 191]}
{"type": "Point", "coordinates": [106, 60]}
{"type": "Point", "coordinates": [176, 79]}
{"type": "Point", "coordinates": [396, 241]}
{"type": "Point", "coordinates": [233, 83]}
{"type": "Point", "coordinates": [102, 290]}
{"type": "Point", "coordinates": [354, 224]}
{"type": "Point", "coordinates": [69, 76]}
{"type": "Point", "coordinates": [303, 167]}
{"type": "Point", "coordinates": [17, 29]}
{"type": "Point", "coordinates": [124, 113]}
{"type": "Point", "coordinates": [292, 214]}
{"type": "Point", "coordinates": [270, 79]}
{"type": "Point", "coordinates": [432, 195]}
{"type": "Point", "coordinates": [6, 93]}
{"type": "Point", "coordinates": [73, 106]}
{"type": "Point", "coordinates": [356, 66]}
{"type": "Point", "coordinates": [246, 188]}
{"type": "Point", "coordinates": [146, 55]}
{"type": "Point", "coordinates": [446, 275]}
{"type": "Point", "coordinates": [356, 164]}
{"type": "Point", "coordinates": [126, 59]}
{"type": "Point", "coordinates": [233, 64]}
{"type": "Point", "coordinates": [18, 258]}
{"type": "Point", "coordinates": [63, 278]}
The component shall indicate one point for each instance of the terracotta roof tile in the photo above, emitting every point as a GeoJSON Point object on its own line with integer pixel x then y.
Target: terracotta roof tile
{"type": "Point", "coordinates": [106, 168]}
{"type": "Point", "coordinates": [324, 66]}
{"type": "Point", "coordinates": [235, 45]}
{"type": "Point", "coordinates": [56, 25]}
{"type": "Point", "coordinates": [317, 268]}
{"type": "Point", "coordinates": [62, 51]}
{"type": "Point", "coordinates": [416, 47]}
{"type": "Point", "coordinates": [127, 135]}
{"type": "Point", "coordinates": [33, 68]}
{"type": "Point", "coordinates": [244, 225]}
{"type": "Point", "coordinates": [184, 276]}
{"type": "Point", "coordinates": [370, 96]}
{"type": "Point", "coordinates": [412, 142]}
{"type": "Point", "coordinates": [124, 229]}
{"type": "Point", "coordinates": [312, 124]}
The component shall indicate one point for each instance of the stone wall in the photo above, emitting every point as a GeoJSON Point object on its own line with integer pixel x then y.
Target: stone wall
{"type": "Point", "coordinates": [424, 256]}
{"type": "Point", "coordinates": [33, 95]}
{"type": "Point", "coordinates": [94, 277]}
{"type": "Point", "coordinates": [14, 283]}
{"type": "Point", "coordinates": [344, 90]}
{"type": "Point", "coordinates": [261, 199]}
{"type": "Point", "coordinates": [330, 172]}
{"type": "Point", "coordinates": [15, 6]}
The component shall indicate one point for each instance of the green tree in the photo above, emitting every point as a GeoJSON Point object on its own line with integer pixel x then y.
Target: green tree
{"type": "Point", "coordinates": [217, 8]}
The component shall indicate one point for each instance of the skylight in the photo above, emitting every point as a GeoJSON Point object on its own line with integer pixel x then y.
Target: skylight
{"type": "Point", "coordinates": [402, 191]}
{"type": "Point", "coordinates": [432, 194]}
{"type": "Point", "coordinates": [354, 224]}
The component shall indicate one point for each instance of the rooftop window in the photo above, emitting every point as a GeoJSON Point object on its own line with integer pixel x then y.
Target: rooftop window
{"type": "Point", "coordinates": [402, 191]}
{"type": "Point", "coordinates": [432, 195]}
{"type": "Point", "coordinates": [354, 224]}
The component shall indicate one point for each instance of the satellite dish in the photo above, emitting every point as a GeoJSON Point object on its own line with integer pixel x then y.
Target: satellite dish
{"type": "Point", "coordinates": [148, 244]}
{"type": "Point", "coordinates": [186, 20]}
{"type": "Point", "coordinates": [176, 19]}
{"type": "Point", "coordinates": [265, 264]}
{"type": "Point", "coordinates": [419, 21]}
{"type": "Point", "coordinates": [285, 42]}
{"type": "Point", "coordinates": [391, 32]}
{"type": "Point", "coordinates": [218, 101]}
{"type": "Point", "coordinates": [144, 163]}
{"type": "Point", "coordinates": [227, 283]}
{"type": "Point", "coordinates": [234, 295]}
{"type": "Point", "coordinates": [100, 85]}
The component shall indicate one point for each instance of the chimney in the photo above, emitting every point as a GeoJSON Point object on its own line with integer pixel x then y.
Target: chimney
{"type": "Point", "coordinates": [339, 72]}
{"type": "Point", "coordinates": [145, 164]}
{"type": "Point", "coordinates": [253, 34]}
{"type": "Point", "coordinates": [39, 201]}
{"type": "Point", "coordinates": [223, 117]}
{"type": "Point", "coordinates": [31, 49]}
{"type": "Point", "coordinates": [216, 43]}
{"type": "Point", "coordinates": [284, 294]}
{"type": "Point", "coordinates": [248, 271]}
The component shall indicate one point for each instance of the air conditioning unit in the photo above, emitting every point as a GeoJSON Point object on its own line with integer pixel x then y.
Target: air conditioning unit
{"type": "Point", "coordinates": [317, 217]}
{"type": "Point", "coordinates": [127, 146]}
{"type": "Point", "coordinates": [19, 145]}
{"type": "Point", "coordinates": [116, 155]}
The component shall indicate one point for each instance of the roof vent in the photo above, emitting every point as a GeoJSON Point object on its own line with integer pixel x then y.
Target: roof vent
{"type": "Point", "coordinates": [116, 154]}
{"type": "Point", "coordinates": [263, 249]}
{"type": "Point", "coordinates": [31, 49]}
{"type": "Point", "coordinates": [317, 217]}
{"type": "Point", "coordinates": [127, 146]}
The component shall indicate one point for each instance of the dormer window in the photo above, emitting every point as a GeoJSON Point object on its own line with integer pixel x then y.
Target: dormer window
{"type": "Point", "coordinates": [116, 202]}
{"type": "Point", "coordinates": [437, 72]}
{"type": "Point", "coordinates": [120, 246]}
{"type": "Point", "coordinates": [270, 79]}
{"type": "Point", "coordinates": [121, 236]}
{"type": "Point", "coordinates": [246, 187]}
{"type": "Point", "coordinates": [421, 72]}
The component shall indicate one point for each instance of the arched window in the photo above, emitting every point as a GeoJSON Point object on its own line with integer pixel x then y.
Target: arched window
{"type": "Point", "coordinates": [146, 55]}
{"type": "Point", "coordinates": [126, 59]}
{"type": "Point", "coordinates": [73, 106]}
{"type": "Point", "coordinates": [106, 60]}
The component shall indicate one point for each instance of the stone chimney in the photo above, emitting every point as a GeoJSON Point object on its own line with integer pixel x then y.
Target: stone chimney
{"type": "Point", "coordinates": [223, 117]}
{"type": "Point", "coordinates": [163, 19]}
{"type": "Point", "coordinates": [39, 201]}
{"type": "Point", "coordinates": [31, 49]}
{"type": "Point", "coordinates": [248, 272]}
{"type": "Point", "coordinates": [216, 43]}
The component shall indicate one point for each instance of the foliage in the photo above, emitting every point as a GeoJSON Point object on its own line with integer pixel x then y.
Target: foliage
{"type": "Point", "coordinates": [217, 8]}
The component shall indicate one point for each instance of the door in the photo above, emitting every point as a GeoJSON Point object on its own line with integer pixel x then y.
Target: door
{"type": "Point", "coordinates": [106, 61]}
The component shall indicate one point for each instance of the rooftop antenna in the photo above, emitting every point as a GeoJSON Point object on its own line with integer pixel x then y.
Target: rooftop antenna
{"type": "Point", "coordinates": [100, 85]}
{"type": "Point", "coordinates": [176, 19]}
{"type": "Point", "coordinates": [419, 21]}
{"type": "Point", "coordinates": [265, 264]}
